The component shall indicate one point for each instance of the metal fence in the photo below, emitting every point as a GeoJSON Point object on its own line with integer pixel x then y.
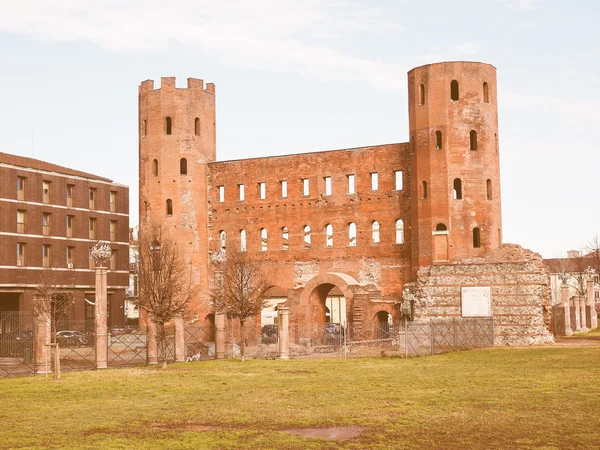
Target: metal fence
{"type": "Point", "coordinates": [16, 343]}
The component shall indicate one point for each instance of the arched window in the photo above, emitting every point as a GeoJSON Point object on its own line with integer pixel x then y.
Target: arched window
{"type": "Point", "coordinates": [473, 138]}
{"type": "Point", "coordinates": [306, 236]}
{"type": "Point", "coordinates": [222, 240]}
{"type": "Point", "coordinates": [144, 128]}
{"type": "Point", "coordinates": [399, 231]}
{"type": "Point", "coordinates": [454, 90]}
{"type": "Point", "coordinates": [375, 232]}
{"type": "Point", "coordinates": [197, 126]}
{"type": "Point", "coordinates": [422, 94]}
{"type": "Point", "coordinates": [457, 189]}
{"type": "Point", "coordinates": [441, 227]}
{"type": "Point", "coordinates": [263, 239]}
{"type": "Point", "coordinates": [155, 168]}
{"type": "Point", "coordinates": [438, 140]}
{"type": "Point", "coordinates": [183, 166]}
{"type": "Point", "coordinates": [351, 234]}
{"type": "Point", "coordinates": [486, 94]}
{"type": "Point", "coordinates": [328, 235]}
{"type": "Point", "coordinates": [243, 240]}
{"type": "Point", "coordinates": [285, 236]}
{"type": "Point", "coordinates": [169, 207]}
{"type": "Point", "coordinates": [476, 237]}
{"type": "Point", "coordinates": [168, 125]}
{"type": "Point", "coordinates": [424, 190]}
{"type": "Point", "coordinates": [488, 188]}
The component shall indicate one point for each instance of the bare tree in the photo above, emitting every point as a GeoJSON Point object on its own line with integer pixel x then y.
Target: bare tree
{"type": "Point", "coordinates": [593, 249]}
{"type": "Point", "coordinates": [238, 288]}
{"type": "Point", "coordinates": [164, 281]}
{"type": "Point", "coordinates": [51, 299]}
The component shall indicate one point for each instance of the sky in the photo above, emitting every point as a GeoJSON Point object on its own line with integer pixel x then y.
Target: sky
{"type": "Point", "coordinates": [296, 76]}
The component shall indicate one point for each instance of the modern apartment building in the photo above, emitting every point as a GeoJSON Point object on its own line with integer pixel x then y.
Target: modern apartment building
{"type": "Point", "coordinates": [50, 217]}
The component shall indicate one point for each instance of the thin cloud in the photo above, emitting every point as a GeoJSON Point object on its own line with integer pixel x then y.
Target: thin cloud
{"type": "Point", "coordinates": [464, 49]}
{"type": "Point", "coordinates": [523, 4]}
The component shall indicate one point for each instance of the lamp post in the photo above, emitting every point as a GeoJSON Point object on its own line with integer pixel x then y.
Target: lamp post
{"type": "Point", "coordinates": [101, 252]}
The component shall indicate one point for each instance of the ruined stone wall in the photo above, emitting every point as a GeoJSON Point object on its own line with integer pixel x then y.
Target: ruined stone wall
{"type": "Point", "coordinates": [520, 293]}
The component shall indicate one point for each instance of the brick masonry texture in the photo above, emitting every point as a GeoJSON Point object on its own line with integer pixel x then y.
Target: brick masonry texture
{"type": "Point", "coordinates": [448, 203]}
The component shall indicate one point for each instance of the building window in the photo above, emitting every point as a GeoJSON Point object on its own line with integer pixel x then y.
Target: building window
{"type": "Point", "coordinates": [221, 194]}
{"type": "Point", "coordinates": [70, 261]}
{"type": "Point", "coordinates": [306, 239]}
{"type": "Point", "coordinates": [222, 240]}
{"type": "Point", "coordinates": [70, 188]}
{"type": "Point", "coordinates": [486, 94]}
{"type": "Point", "coordinates": [457, 189]}
{"type": "Point", "coordinates": [374, 181]}
{"type": "Point", "coordinates": [441, 227]}
{"type": "Point", "coordinates": [183, 166]}
{"type": "Point", "coordinates": [169, 207]}
{"type": "Point", "coordinates": [399, 231]}
{"type": "Point", "coordinates": [113, 230]}
{"type": "Point", "coordinates": [328, 235]}
{"type": "Point", "coordinates": [283, 188]}
{"type": "Point", "coordinates": [46, 224]}
{"type": "Point", "coordinates": [473, 139]}
{"type": "Point", "coordinates": [285, 239]}
{"type": "Point", "coordinates": [20, 221]}
{"type": "Point", "coordinates": [92, 228]}
{"type": "Point", "coordinates": [263, 240]}
{"type": "Point", "coordinates": [69, 222]}
{"type": "Point", "coordinates": [351, 189]}
{"type": "Point", "coordinates": [144, 128]}
{"type": "Point", "coordinates": [375, 232]}
{"type": "Point", "coordinates": [438, 140]}
{"type": "Point", "coordinates": [454, 90]}
{"type": "Point", "coordinates": [327, 185]}
{"type": "Point", "coordinates": [113, 260]}
{"type": "Point", "coordinates": [421, 94]}
{"type": "Point", "coordinates": [168, 125]}
{"type": "Point", "coordinates": [496, 141]}
{"type": "Point", "coordinates": [476, 237]}
{"type": "Point", "coordinates": [45, 255]}
{"type": "Point", "coordinates": [242, 240]}
{"type": "Point", "coordinates": [20, 254]}
{"type": "Point", "coordinates": [155, 168]}
{"type": "Point", "coordinates": [424, 190]}
{"type": "Point", "coordinates": [112, 198]}
{"type": "Point", "coordinates": [262, 190]}
{"type": "Point", "coordinates": [398, 178]}
{"type": "Point", "coordinates": [46, 191]}
{"type": "Point", "coordinates": [197, 126]}
{"type": "Point", "coordinates": [21, 188]}
{"type": "Point", "coordinates": [488, 189]}
{"type": "Point", "coordinates": [305, 187]}
{"type": "Point", "coordinates": [351, 234]}
{"type": "Point", "coordinates": [92, 202]}
{"type": "Point", "coordinates": [242, 192]}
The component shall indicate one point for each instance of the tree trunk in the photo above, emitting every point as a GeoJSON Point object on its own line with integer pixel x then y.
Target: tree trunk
{"type": "Point", "coordinates": [162, 344]}
{"type": "Point", "coordinates": [242, 347]}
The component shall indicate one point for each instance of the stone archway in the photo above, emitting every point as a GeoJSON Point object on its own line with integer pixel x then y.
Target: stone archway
{"type": "Point", "coordinates": [315, 293]}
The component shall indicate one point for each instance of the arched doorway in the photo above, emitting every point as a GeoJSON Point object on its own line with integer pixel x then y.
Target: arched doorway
{"type": "Point", "coordinates": [383, 321]}
{"type": "Point", "coordinates": [274, 297]}
{"type": "Point", "coordinates": [209, 327]}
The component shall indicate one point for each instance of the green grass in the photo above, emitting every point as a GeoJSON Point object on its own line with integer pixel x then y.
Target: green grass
{"type": "Point", "coordinates": [526, 398]}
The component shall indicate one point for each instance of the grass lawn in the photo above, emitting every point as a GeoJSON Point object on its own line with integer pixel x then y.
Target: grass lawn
{"type": "Point", "coordinates": [527, 398]}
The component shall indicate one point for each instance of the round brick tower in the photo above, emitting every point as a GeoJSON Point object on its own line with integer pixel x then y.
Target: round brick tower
{"type": "Point", "coordinates": [177, 138]}
{"type": "Point", "coordinates": [455, 170]}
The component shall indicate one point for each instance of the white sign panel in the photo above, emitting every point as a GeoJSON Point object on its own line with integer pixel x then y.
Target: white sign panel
{"type": "Point", "coordinates": [476, 301]}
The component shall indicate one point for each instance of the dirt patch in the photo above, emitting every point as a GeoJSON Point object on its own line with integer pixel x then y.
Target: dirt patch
{"type": "Point", "coordinates": [200, 428]}
{"type": "Point", "coordinates": [333, 433]}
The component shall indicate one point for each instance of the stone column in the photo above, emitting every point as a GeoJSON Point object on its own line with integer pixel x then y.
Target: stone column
{"type": "Point", "coordinates": [101, 327]}
{"type": "Point", "coordinates": [151, 341]}
{"type": "Point", "coordinates": [584, 328]}
{"type": "Point", "coordinates": [220, 336]}
{"type": "Point", "coordinates": [179, 339]}
{"type": "Point", "coordinates": [42, 354]}
{"type": "Point", "coordinates": [591, 302]}
{"type": "Point", "coordinates": [283, 331]}
{"type": "Point", "coordinates": [577, 309]}
{"type": "Point", "coordinates": [564, 297]}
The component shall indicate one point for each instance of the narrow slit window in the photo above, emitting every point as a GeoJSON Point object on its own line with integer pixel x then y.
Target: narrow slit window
{"type": "Point", "coordinates": [242, 192]}
{"type": "Point", "coordinates": [375, 232]}
{"type": "Point", "coordinates": [473, 140]}
{"type": "Point", "coordinates": [351, 189]}
{"type": "Point", "coordinates": [285, 238]}
{"type": "Point", "coordinates": [263, 239]}
{"type": "Point", "coordinates": [197, 126]}
{"type": "Point", "coordinates": [144, 128]}
{"type": "Point", "coordinates": [306, 232]}
{"type": "Point", "coordinates": [262, 190]}
{"type": "Point", "coordinates": [454, 90]}
{"type": "Point", "coordinates": [222, 240]}
{"type": "Point", "coordinates": [421, 94]}
{"type": "Point", "coordinates": [486, 94]}
{"type": "Point", "coordinates": [221, 194]}
{"type": "Point", "coordinates": [155, 168]}
{"type": "Point", "coordinates": [399, 231]}
{"type": "Point", "coordinates": [374, 181]}
{"type": "Point", "coordinates": [329, 235]}
{"type": "Point", "coordinates": [352, 234]}
{"type": "Point", "coordinates": [476, 237]}
{"type": "Point", "coordinates": [424, 184]}
{"type": "Point", "coordinates": [283, 188]}
{"type": "Point", "coordinates": [496, 141]}
{"type": "Point", "coordinates": [398, 179]}
{"type": "Point", "coordinates": [183, 166]}
{"type": "Point", "coordinates": [327, 185]}
{"type": "Point", "coordinates": [305, 187]}
{"type": "Point", "coordinates": [457, 189]}
{"type": "Point", "coordinates": [438, 140]}
{"type": "Point", "coordinates": [242, 240]}
{"type": "Point", "coordinates": [169, 207]}
{"type": "Point", "coordinates": [488, 189]}
{"type": "Point", "coordinates": [168, 125]}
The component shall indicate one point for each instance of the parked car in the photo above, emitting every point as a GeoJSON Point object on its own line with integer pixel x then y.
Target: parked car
{"type": "Point", "coordinates": [71, 338]}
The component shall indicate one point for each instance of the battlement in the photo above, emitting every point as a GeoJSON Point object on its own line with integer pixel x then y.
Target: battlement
{"type": "Point", "coordinates": [168, 84]}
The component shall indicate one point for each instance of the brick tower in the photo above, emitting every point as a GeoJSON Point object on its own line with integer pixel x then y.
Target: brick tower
{"type": "Point", "coordinates": [455, 170]}
{"type": "Point", "coordinates": [177, 136]}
